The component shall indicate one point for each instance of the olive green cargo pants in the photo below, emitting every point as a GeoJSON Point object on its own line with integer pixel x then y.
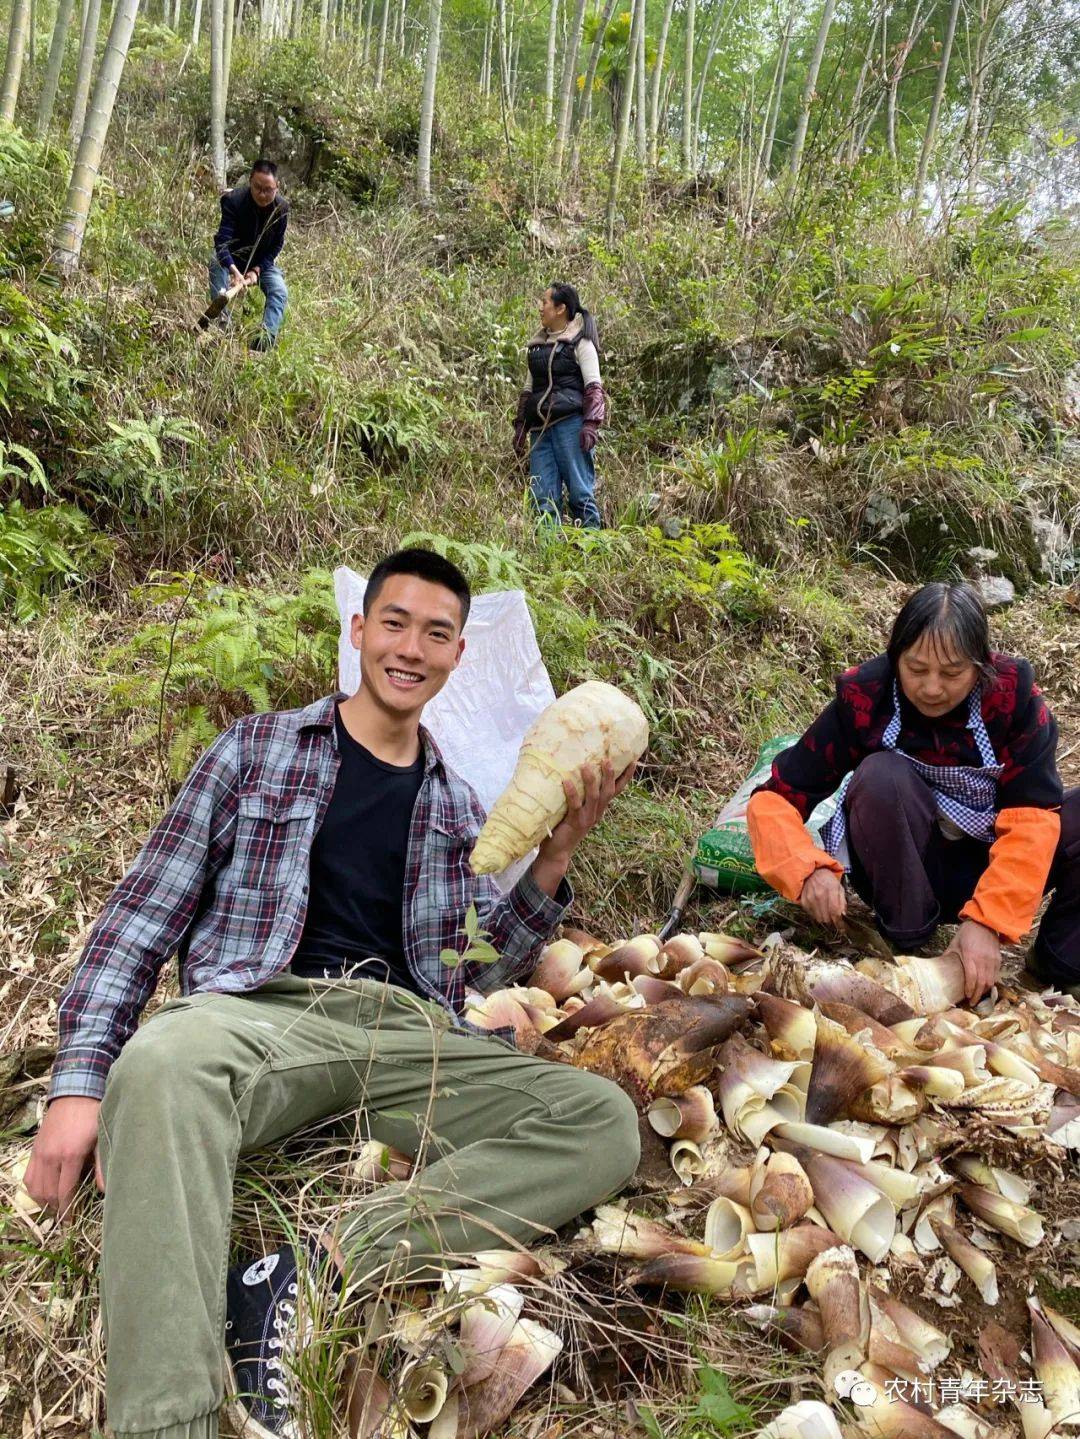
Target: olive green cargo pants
{"type": "Point", "coordinates": [515, 1146]}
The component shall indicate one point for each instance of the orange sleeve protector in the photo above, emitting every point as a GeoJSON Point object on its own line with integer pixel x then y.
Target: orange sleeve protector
{"type": "Point", "coordinates": [1009, 892]}
{"type": "Point", "coordinates": [784, 853]}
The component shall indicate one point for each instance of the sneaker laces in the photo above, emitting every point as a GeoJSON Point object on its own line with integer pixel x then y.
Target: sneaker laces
{"type": "Point", "coordinates": [285, 1314]}
{"type": "Point", "coordinates": [280, 1382]}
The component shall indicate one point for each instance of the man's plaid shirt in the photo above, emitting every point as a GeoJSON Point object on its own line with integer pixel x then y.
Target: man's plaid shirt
{"type": "Point", "coordinates": [223, 882]}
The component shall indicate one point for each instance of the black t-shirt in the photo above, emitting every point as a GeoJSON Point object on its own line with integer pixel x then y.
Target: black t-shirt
{"type": "Point", "coordinates": [358, 868]}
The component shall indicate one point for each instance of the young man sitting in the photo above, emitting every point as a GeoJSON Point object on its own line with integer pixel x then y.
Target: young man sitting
{"type": "Point", "coordinates": [312, 868]}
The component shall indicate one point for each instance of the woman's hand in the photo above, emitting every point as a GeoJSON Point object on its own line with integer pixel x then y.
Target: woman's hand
{"type": "Point", "coordinates": [823, 897]}
{"type": "Point", "coordinates": [979, 951]}
{"type": "Point", "coordinates": [521, 424]}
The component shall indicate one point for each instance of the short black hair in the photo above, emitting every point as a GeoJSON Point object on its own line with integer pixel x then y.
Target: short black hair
{"type": "Point", "coordinates": [425, 565]}
{"type": "Point", "coordinates": [264, 167]}
{"type": "Point", "coordinates": [951, 613]}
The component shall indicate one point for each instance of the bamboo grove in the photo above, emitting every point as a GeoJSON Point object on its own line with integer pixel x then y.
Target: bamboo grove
{"type": "Point", "coordinates": [947, 102]}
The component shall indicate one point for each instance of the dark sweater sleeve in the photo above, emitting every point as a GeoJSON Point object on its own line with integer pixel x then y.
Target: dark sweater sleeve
{"type": "Point", "coordinates": [812, 769]}
{"type": "Point", "coordinates": [226, 231]}
{"type": "Point", "coordinates": [1029, 778]}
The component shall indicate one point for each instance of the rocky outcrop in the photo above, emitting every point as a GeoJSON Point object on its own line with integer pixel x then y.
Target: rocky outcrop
{"type": "Point", "coordinates": [922, 538]}
{"type": "Point", "coordinates": [305, 153]}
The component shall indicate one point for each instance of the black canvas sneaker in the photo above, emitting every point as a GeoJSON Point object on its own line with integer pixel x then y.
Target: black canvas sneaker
{"type": "Point", "coordinates": [263, 1336]}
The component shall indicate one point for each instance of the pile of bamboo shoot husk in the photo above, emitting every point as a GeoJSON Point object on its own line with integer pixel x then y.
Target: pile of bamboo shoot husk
{"type": "Point", "coordinates": [463, 1363]}
{"type": "Point", "coordinates": [836, 1126]}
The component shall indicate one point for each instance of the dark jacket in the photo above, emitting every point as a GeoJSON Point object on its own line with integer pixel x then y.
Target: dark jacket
{"type": "Point", "coordinates": [558, 388]}
{"type": "Point", "coordinates": [248, 236]}
{"type": "Point", "coordinates": [1022, 731]}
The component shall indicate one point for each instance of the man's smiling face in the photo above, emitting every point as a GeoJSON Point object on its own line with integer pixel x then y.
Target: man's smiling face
{"type": "Point", "coordinates": [409, 641]}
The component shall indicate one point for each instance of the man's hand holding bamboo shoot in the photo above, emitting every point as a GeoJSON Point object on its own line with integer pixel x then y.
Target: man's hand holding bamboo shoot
{"type": "Point", "coordinates": [575, 758]}
{"type": "Point", "coordinates": [583, 812]}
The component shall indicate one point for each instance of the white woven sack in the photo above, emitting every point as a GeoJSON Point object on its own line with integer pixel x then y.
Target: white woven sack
{"type": "Point", "coordinates": [480, 716]}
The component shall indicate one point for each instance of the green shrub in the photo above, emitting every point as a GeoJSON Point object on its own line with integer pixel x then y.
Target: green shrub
{"type": "Point", "coordinates": [131, 466]}
{"type": "Point", "coordinates": [703, 564]}
{"type": "Point", "coordinates": [33, 177]}
{"type": "Point", "coordinates": [39, 364]}
{"type": "Point", "coordinates": [42, 552]}
{"type": "Point", "coordinates": [219, 653]}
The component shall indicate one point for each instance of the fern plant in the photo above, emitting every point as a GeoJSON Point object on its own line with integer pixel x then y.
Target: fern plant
{"type": "Point", "coordinates": [218, 653]}
{"type": "Point", "coordinates": [132, 463]}
{"type": "Point", "coordinates": [39, 367]}
{"type": "Point", "coordinates": [492, 566]}
{"type": "Point", "coordinates": [43, 551]}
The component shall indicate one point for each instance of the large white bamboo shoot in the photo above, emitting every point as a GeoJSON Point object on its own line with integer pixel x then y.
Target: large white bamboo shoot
{"type": "Point", "coordinates": [586, 726]}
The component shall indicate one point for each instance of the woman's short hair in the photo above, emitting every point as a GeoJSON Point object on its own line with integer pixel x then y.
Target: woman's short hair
{"type": "Point", "coordinates": [953, 616]}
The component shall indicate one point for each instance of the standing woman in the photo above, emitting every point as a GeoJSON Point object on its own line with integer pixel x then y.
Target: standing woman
{"type": "Point", "coordinates": [562, 408]}
{"type": "Point", "coordinates": [950, 806]}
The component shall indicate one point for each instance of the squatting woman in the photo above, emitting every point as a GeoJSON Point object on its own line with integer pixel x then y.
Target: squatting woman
{"type": "Point", "coordinates": [949, 803]}
{"type": "Point", "coordinates": [562, 408]}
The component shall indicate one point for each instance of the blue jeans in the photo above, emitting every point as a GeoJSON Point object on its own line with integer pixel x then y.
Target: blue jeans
{"type": "Point", "coordinates": [557, 459]}
{"type": "Point", "coordinates": [271, 283]}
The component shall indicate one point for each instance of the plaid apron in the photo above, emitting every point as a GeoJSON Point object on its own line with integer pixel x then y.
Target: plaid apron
{"type": "Point", "coordinates": [965, 794]}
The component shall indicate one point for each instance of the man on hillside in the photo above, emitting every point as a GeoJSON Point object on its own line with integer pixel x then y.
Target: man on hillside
{"type": "Point", "coordinates": [254, 218]}
{"type": "Point", "coordinates": [309, 873]}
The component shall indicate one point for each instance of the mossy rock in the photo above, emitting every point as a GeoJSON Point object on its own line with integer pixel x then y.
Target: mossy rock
{"type": "Point", "coordinates": [923, 540]}
{"type": "Point", "coordinates": [309, 150]}
{"type": "Point", "coordinates": [687, 375]}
